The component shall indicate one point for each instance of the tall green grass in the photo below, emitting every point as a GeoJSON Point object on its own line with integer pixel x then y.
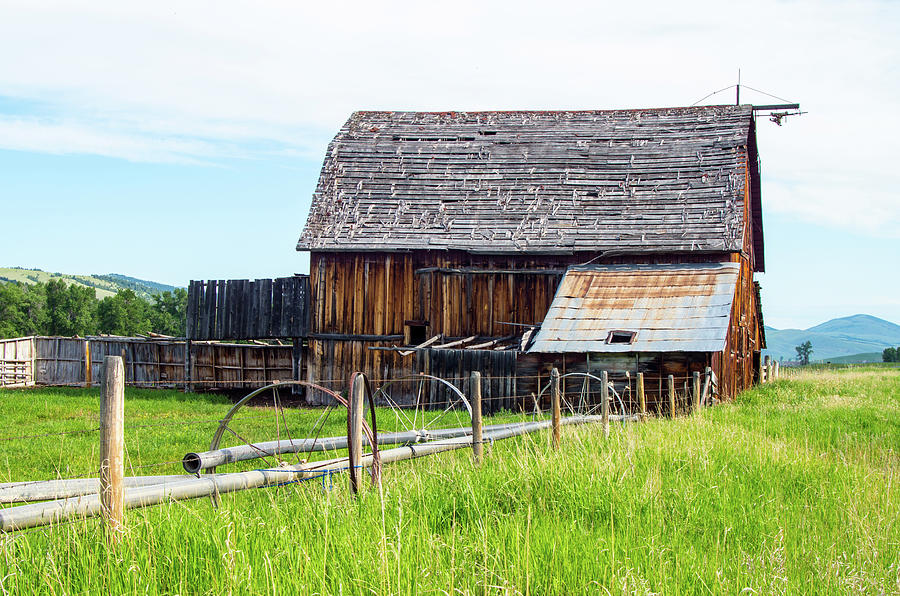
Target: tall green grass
{"type": "Point", "coordinates": [791, 489]}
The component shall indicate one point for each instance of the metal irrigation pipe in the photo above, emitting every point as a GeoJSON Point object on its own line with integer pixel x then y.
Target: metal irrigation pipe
{"type": "Point", "coordinates": [194, 462]}
{"type": "Point", "coordinates": [223, 423]}
{"type": "Point", "coordinates": [45, 490]}
{"type": "Point", "coordinates": [41, 514]}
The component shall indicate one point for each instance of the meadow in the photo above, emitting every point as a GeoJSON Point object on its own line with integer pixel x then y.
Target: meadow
{"type": "Point", "coordinates": [791, 488]}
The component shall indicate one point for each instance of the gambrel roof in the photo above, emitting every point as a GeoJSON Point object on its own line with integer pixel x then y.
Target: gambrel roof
{"type": "Point", "coordinates": [657, 180]}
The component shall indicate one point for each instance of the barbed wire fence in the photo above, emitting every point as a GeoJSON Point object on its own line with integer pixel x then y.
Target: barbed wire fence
{"type": "Point", "coordinates": [579, 395]}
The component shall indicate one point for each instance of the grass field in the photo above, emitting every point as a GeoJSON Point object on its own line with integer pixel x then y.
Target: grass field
{"type": "Point", "coordinates": [792, 489]}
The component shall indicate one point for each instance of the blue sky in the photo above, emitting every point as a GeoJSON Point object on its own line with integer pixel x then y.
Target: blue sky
{"type": "Point", "coordinates": [176, 141]}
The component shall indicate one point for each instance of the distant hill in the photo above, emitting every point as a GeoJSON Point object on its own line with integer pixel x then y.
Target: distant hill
{"type": "Point", "coordinates": [856, 358]}
{"type": "Point", "coordinates": [857, 335]}
{"type": "Point", "coordinates": [104, 285]}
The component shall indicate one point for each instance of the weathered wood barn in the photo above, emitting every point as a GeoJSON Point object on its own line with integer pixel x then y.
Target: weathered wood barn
{"type": "Point", "coordinates": [511, 242]}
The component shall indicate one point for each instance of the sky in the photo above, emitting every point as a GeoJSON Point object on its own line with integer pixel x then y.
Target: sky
{"type": "Point", "coordinates": [172, 141]}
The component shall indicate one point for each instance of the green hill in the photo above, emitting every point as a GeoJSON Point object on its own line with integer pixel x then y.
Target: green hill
{"type": "Point", "coordinates": [857, 335]}
{"type": "Point", "coordinates": [104, 285]}
{"type": "Point", "coordinates": [868, 357]}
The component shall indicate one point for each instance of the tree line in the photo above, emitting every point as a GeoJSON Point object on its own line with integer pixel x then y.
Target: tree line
{"type": "Point", "coordinates": [54, 308]}
{"type": "Point", "coordinates": [891, 355]}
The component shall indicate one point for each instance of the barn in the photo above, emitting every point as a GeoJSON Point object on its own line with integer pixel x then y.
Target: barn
{"type": "Point", "coordinates": [512, 242]}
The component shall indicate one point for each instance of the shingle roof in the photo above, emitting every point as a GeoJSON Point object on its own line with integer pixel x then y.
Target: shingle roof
{"type": "Point", "coordinates": [537, 182]}
{"type": "Point", "coordinates": [670, 308]}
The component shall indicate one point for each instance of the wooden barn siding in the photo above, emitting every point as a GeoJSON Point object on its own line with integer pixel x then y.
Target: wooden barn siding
{"type": "Point", "coordinates": [534, 376]}
{"type": "Point", "coordinates": [248, 309]}
{"type": "Point", "coordinates": [375, 293]}
{"type": "Point", "coordinates": [337, 360]}
{"type": "Point", "coordinates": [17, 362]}
{"type": "Point", "coordinates": [735, 365]}
{"type": "Point", "coordinates": [361, 300]}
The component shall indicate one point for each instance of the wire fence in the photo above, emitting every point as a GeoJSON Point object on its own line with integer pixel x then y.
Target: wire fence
{"type": "Point", "coordinates": [580, 394]}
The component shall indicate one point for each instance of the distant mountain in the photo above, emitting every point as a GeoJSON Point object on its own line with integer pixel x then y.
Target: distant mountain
{"type": "Point", "coordinates": [845, 336]}
{"type": "Point", "coordinates": [104, 285]}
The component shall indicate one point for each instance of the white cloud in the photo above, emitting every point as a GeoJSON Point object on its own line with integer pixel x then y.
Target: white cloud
{"type": "Point", "coordinates": [202, 81]}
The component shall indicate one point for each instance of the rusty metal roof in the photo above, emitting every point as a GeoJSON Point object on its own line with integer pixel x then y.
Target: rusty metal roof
{"type": "Point", "coordinates": [670, 308]}
{"type": "Point", "coordinates": [654, 180]}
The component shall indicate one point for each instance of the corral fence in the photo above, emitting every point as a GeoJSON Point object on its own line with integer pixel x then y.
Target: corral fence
{"type": "Point", "coordinates": [159, 363]}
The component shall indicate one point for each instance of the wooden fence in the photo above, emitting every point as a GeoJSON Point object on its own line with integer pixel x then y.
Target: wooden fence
{"type": "Point", "coordinates": [148, 362]}
{"type": "Point", "coordinates": [17, 362]}
{"type": "Point", "coordinates": [248, 309]}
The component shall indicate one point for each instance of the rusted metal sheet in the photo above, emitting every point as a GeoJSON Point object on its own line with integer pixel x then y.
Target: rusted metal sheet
{"type": "Point", "coordinates": [668, 308]}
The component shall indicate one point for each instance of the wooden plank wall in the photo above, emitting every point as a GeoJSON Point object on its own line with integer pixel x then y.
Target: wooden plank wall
{"type": "Point", "coordinates": [498, 374]}
{"type": "Point", "coordinates": [17, 362]}
{"type": "Point", "coordinates": [248, 309]}
{"type": "Point", "coordinates": [362, 300]}
{"type": "Point", "coordinates": [148, 363]}
{"type": "Point", "coordinates": [336, 360]}
{"type": "Point", "coordinates": [59, 361]}
{"type": "Point", "coordinates": [534, 376]}
{"type": "Point", "coordinates": [737, 365]}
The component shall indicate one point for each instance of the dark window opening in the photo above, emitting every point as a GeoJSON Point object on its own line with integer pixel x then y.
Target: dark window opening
{"type": "Point", "coordinates": [621, 337]}
{"type": "Point", "coordinates": [416, 333]}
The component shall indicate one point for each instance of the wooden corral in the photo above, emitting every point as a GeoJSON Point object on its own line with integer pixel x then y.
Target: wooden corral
{"type": "Point", "coordinates": [150, 363]}
{"type": "Point", "coordinates": [462, 225]}
{"type": "Point", "coordinates": [17, 362]}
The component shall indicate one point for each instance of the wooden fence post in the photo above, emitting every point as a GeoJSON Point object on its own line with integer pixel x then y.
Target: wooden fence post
{"type": "Point", "coordinates": [555, 405]}
{"type": "Point", "coordinates": [766, 370]}
{"type": "Point", "coordinates": [296, 359]}
{"type": "Point", "coordinates": [642, 399]}
{"type": "Point", "coordinates": [187, 366]}
{"type": "Point", "coordinates": [695, 389]}
{"type": "Point", "coordinates": [112, 447]}
{"type": "Point", "coordinates": [671, 396]}
{"type": "Point", "coordinates": [604, 402]}
{"type": "Point", "coordinates": [706, 383]}
{"type": "Point", "coordinates": [354, 430]}
{"type": "Point", "coordinates": [88, 376]}
{"type": "Point", "coordinates": [477, 437]}
{"type": "Point", "coordinates": [775, 370]}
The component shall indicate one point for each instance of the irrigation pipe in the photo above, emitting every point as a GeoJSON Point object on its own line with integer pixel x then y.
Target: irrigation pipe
{"type": "Point", "coordinates": [41, 514]}
{"type": "Point", "coordinates": [45, 490]}
{"type": "Point", "coordinates": [195, 462]}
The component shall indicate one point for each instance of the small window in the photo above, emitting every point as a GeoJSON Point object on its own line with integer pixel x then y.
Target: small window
{"type": "Point", "coordinates": [620, 337]}
{"type": "Point", "coordinates": [416, 332]}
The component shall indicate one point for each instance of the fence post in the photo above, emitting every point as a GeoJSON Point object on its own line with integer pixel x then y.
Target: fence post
{"type": "Point", "coordinates": [88, 373]}
{"type": "Point", "coordinates": [696, 390]}
{"type": "Point", "coordinates": [671, 396]}
{"type": "Point", "coordinates": [766, 370]}
{"type": "Point", "coordinates": [706, 383]}
{"type": "Point", "coordinates": [554, 405]}
{"type": "Point", "coordinates": [477, 437]}
{"type": "Point", "coordinates": [112, 447]}
{"type": "Point", "coordinates": [642, 399]}
{"type": "Point", "coordinates": [354, 429]}
{"type": "Point", "coordinates": [187, 366]}
{"type": "Point", "coordinates": [775, 370]}
{"type": "Point", "coordinates": [604, 401]}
